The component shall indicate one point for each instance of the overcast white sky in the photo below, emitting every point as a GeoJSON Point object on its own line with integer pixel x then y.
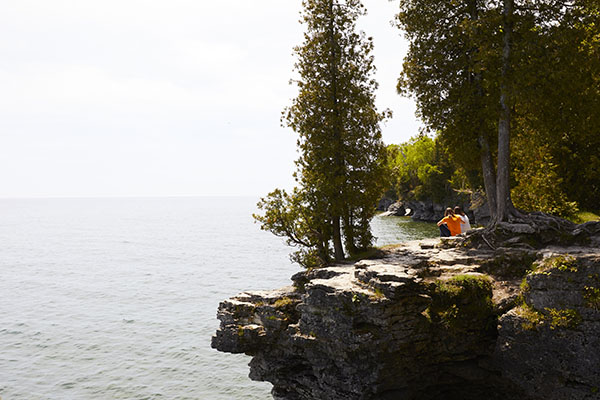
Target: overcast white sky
{"type": "Point", "coordinates": [155, 98]}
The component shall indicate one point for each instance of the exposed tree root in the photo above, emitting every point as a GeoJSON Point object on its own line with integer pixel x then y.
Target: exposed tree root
{"type": "Point", "coordinates": [532, 230]}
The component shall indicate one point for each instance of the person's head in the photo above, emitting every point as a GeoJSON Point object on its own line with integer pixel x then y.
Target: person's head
{"type": "Point", "coordinates": [448, 212]}
{"type": "Point", "coordinates": [458, 210]}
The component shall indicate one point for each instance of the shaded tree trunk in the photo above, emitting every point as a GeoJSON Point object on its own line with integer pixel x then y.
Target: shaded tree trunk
{"type": "Point", "coordinates": [489, 175]}
{"type": "Point", "coordinates": [487, 162]}
{"type": "Point", "coordinates": [349, 233]}
{"type": "Point", "coordinates": [504, 205]}
{"type": "Point", "coordinates": [338, 249]}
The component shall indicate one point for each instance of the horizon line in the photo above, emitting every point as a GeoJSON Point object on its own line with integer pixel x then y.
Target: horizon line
{"type": "Point", "coordinates": [58, 197]}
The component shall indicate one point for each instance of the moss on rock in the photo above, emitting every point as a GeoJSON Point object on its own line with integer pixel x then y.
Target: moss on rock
{"type": "Point", "coordinates": [282, 302]}
{"type": "Point", "coordinates": [532, 318]}
{"type": "Point", "coordinates": [565, 318]}
{"type": "Point", "coordinates": [591, 295]}
{"type": "Point", "coordinates": [462, 303]}
{"type": "Point", "coordinates": [562, 263]}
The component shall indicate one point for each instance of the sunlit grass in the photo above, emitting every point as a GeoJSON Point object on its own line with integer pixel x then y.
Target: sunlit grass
{"type": "Point", "coordinates": [586, 216]}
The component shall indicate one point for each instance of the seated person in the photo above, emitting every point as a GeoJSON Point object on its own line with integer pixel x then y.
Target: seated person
{"type": "Point", "coordinates": [452, 221]}
{"type": "Point", "coordinates": [465, 225]}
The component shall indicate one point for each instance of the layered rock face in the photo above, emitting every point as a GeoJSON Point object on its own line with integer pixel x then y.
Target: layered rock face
{"type": "Point", "coordinates": [428, 320]}
{"type": "Point", "coordinates": [550, 343]}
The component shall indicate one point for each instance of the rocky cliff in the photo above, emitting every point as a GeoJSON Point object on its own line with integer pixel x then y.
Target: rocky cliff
{"type": "Point", "coordinates": [433, 319]}
{"type": "Point", "coordinates": [432, 212]}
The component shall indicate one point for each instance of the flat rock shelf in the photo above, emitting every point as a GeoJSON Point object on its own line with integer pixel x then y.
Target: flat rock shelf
{"type": "Point", "coordinates": [429, 319]}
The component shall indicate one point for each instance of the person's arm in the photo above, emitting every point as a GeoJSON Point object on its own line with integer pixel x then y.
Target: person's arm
{"type": "Point", "coordinates": [441, 221]}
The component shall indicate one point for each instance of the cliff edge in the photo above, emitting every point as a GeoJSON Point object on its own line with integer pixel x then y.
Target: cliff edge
{"type": "Point", "coordinates": [430, 319]}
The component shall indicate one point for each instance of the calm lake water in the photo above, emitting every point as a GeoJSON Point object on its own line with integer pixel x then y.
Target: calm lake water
{"type": "Point", "coordinates": [117, 298]}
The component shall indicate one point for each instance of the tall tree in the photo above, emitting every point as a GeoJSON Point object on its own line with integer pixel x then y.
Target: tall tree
{"type": "Point", "coordinates": [548, 73]}
{"type": "Point", "coordinates": [504, 206]}
{"type": "Point", "coordinates": [340, 170]}
{"type": "Point", "coordinates": [475, 68]}
{"type": "Point", "coordinates": [558, 98]}
{"type": "Point", "coordinates": [451, 68]}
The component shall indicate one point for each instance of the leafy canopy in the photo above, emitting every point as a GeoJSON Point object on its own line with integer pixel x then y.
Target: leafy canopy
{"type": "Point", "coordinates": [341, 169]}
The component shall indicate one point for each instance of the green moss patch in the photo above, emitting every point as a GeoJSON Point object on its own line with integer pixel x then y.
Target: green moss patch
{"type": "Point", "coordinates": [591, 295]}
{"type": "Point", "coordinates": [462, 303]}
{"type": "Point", "coordinates": [283, 302]}
{"type": "Point", "coordinates": [555, 318]}
{"type": "Point", "coordinates": [531, 317]}
{"type": "Point", "coordinates": [562, 263]}
{"type": "Point", "coordinates": [566, 319]}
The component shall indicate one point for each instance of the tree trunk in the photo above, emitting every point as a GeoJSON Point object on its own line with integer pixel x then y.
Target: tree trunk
{"type": "Point", "coordinates": [489, 175]}
{"type": "Point", "coordinates": [487, 162]}
{"type": "Point", "coordinates": [504, 204]}
{"type": "Point", "coordinates": [338, 249]}
{"type": "Point", "coordinates": [322, 252]}
{"type": "Point", "coordinates": [349, 233]}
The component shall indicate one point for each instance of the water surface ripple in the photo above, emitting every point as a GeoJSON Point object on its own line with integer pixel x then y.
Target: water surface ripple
{"type": "Point", "coordinates": [116, 298]}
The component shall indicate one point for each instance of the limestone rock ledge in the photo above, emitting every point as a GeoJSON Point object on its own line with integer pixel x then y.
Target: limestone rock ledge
{"type": "Point", "coordinates": [427, 320]}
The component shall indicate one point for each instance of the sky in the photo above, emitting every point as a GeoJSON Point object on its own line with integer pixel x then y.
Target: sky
{"type": "Point", "coordinates": [162, 98]}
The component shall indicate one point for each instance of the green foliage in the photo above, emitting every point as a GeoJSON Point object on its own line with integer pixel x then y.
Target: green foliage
{"type": "Point", "coordinates": [551, 82]}
{"type": "Point", "coordinates": [558, 93]}
{"type": "Point", "coordinates": [300, 219]}
{"type": "Point", "coordinates": [539, 186]}
{"type": "Point", "coordinates": [452, 69]}
{"type": "Point", "coordinates": [341, 170]}
{"type": "Point", "coordinates": [420, 169]}
{"type": "Point", "coordinates": [585, 216]}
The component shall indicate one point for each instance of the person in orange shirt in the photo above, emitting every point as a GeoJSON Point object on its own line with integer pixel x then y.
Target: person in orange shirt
{"type": "Point", "coordinates": [452, 221]}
